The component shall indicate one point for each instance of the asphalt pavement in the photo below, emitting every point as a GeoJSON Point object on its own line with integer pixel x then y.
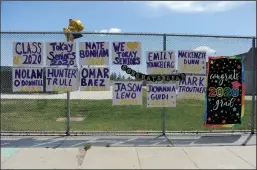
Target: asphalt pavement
{"type": "Point", "coordinates": [127, 141]}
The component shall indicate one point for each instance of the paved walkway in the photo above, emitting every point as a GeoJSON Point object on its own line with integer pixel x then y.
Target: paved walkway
{"type": "Point", "coordinates": [128, 141]}
{"type": "Point", "coordinates": [229, 157]}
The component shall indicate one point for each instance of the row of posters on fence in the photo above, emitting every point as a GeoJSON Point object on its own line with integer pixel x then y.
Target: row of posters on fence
{"type": "Point", "coordinates": [93, 79]}
{"type": "Point", "coordinates": [97, 53]}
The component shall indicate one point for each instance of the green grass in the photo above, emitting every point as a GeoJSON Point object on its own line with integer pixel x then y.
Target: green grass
{"type": "Point", "coordinates": [41, 115]}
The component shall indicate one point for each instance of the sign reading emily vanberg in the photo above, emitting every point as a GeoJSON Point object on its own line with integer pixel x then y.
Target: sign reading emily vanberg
{"type": "Point", "coordinates": [192, 87]}
{"type": "Point", "coordinates": [61, 54]}
{"type": "Point", "coordinates": [27, 79]}
{"type": "Point", "coordinates": [193, 62]}
{"type": "Point", "coordinates": [61, 79]}
{"type": "Point", "coordinates": [126, 53]}
{"type": "Point", "coordinates": [93, 53]}
{"type": "Point", "coordinates": [161, 95]}
{"type": "Point", "coordinates": [27, 54]}
{"type": "Point", "coordinates": [127, 93]}
{"type": "Point", "coordinates": [95, 79]}
{"type": "Point", "coordinates": [160, 62]}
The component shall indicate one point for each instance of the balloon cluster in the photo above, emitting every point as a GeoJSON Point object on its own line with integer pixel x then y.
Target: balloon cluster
{"type": "Point", "coordinates": [153, 78]}
{"type": "Point", "coordinates": [73, 30]}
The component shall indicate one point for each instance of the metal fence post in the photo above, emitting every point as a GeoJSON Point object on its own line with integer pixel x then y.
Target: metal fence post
{"type": "Point", "coordinates": [254, 85]}
{"type": "Point", "coordinates": [164, 109]}
{"type": "Point", "coordinates": [68, 105]}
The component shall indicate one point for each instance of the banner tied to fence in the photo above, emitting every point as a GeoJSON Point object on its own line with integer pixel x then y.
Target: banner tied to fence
{"type": "Point", "coordinates": [225, 95]}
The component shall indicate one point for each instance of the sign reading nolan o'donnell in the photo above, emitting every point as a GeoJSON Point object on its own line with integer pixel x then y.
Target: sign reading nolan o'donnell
{"type": "Point", "coordinates": [27, 79]}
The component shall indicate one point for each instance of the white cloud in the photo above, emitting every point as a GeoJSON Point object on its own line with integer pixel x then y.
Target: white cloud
{"type": "Point", "coordinates": [209, 51]}
{"type": "Point", "coordinates": [197, 6]}
{"type": "Point", "coordinates": [112, 30]}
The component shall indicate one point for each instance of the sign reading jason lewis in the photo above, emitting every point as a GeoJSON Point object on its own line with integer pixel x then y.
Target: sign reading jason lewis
{"type": "Point", "coordinates": [161, 95]}
{"type": "Point", "coordinates": [27, 79]}
{"type": "Point", "coordinates": [94, 53]}
{"type": "Point", "coordinates": [126, 53]}
{"type": "Point", "coordinates": [61, 54]}
{"type": "Point", "coordinates": [27, 54]}
{"type": "Point", "coordinates": [127, 93]}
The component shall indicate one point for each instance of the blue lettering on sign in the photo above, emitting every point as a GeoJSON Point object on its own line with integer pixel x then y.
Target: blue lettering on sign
{"type": "Point", "coordinates": [65, 58]}
{"type": "Point", "coordinates": [28, 77]}
{"type": "Point", "coordinates": [31, 51]}
{"type": "Point", "coordinates": [94, 76]}
{"type": "Point", "coordinates": [125, 57]}
{"type": "Point", "coordinates": [127, 91]}
{"type": "Point", "coordinates": [61, 77]}
{"type": "Point", "coordinates": [160, 60]}
{"type": "Point", "coordinates": [192, 81]}
{"type": "Point", "coordinates": [94, 49]}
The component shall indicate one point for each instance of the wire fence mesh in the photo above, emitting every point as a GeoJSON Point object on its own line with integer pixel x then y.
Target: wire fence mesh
{"type": "Point", "coordinates": [93, 111]}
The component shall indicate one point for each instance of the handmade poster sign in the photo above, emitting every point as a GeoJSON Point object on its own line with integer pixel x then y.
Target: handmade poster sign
{"type": "Point", "coordinates": [127, 93]}
{"type": "Point", "coordinates": [225, 94]}
{"type": "Point", "coordinates": [126, 53]}
{"type": "Point", "coordinates": [161, 95]}
{"type": "Point", "coordinates": [61, 54]}
{"type": "Point", "coordinates": [193, 62]}
{"type": "Point", "coordinates": [192, 87]}
{"type": "Point", "coordinates": [95, 79]}
{"type": "Point", "coordinates": [27, 79]}
{"type": "Point", "coordinates": [61, 79]}
{"type": "Point", "coordinates": [27, 54]}
{"type": "Point", "coordinates": [160, 62]}
{"type": "Point", "coordinates": [94, 53]}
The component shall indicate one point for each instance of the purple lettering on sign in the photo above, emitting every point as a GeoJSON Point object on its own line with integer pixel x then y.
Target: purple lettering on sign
{"type": "Point", "coordinates": [61, 54]}
{"type": "Point", "coordinates": [126, 53]}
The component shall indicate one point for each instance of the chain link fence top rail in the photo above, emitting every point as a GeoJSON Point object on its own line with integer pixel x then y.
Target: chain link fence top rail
{"type": "Point", "coordinates": [93, 111]}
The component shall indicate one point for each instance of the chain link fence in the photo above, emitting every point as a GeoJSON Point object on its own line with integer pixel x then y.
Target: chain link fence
{"type": "Point", "coordinates": [92, 112]}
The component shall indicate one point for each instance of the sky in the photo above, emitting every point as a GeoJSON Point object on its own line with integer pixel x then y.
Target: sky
{"type": "Point", "coordinates": [183, 17]}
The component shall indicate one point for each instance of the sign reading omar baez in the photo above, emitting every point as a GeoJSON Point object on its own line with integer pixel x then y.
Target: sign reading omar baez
{"type": "Point", "coordinates": [27, 54]}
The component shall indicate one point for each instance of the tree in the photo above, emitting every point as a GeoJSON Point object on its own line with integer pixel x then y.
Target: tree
{"type": "Point", "coordinates": [119, 77]}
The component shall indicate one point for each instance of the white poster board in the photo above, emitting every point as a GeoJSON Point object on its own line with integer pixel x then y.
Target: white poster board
{"type": "Point", "coordinates": [127, 93]}
{"type": "Point", "coordinates": [160, 62]}
{"type": "Point", "coordinates": [27, 54]}
{"type": "Point", "coordinates": [61, 79]}
{"type": "Point", "coordinates": [192, 87]}
{"type": "Point", "coordinates": [94, 79]}
{"type": "Point", "coordinates": [161, 95]}
{"type": "Point", "coordinates": [27, 79]}
{"type": "Point", "coordinates": [126, 53]}
{"type": "Point", "coordinates": [94, 53]}
{"type": "Point", "coordinates": [61, 54]}
{"type": "Point", "coordinates": [193, 62]}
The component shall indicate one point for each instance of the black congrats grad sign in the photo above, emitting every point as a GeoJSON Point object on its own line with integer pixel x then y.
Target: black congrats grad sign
{"type": "Point", "coordinates": [225, 92]}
